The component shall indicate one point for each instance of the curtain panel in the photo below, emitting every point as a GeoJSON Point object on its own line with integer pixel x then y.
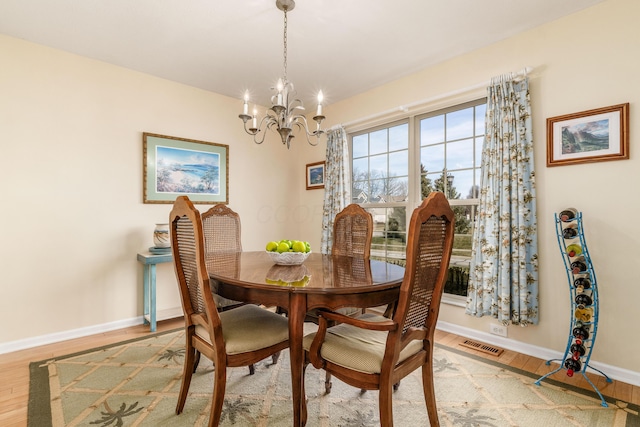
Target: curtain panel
{"type": "Point", "coordinates": [503, 280]}
{"type": "Point", "coordinates": [337, 184]}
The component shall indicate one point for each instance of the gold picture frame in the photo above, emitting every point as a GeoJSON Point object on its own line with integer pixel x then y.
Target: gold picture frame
{"type": "Point", "coordinates": [589, 136]}
{"type": "Point", "coordinates": [175, 167]}
{"type": "Point", "coordinates": [315, 175]}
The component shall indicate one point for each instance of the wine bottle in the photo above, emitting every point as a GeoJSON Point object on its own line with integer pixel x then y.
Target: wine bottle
{"type": "Point", "coordinates": [574, 249]}
{"type": "Point", "coordinates": [584, 315]}
{"type": "Point", "coordinates": [581, 333]}
{"type": "Point", "coordinates": [568, 214]}
{"type": "Point", "coordinates": [577, 351]}
{"type": "Point", "coordinates": [572, 366]}
{"type": "Point", "coordinates": [570, 231]}
{"type": "Point", "coordinates": [583, 282]}
{"type": "Point", "coordinates": [583, 300]}
{"type": "Point", "coordinates": [578, 265]}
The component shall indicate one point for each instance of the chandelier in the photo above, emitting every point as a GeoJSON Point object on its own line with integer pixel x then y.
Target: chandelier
{"type": "Point", "coordinates": [286, 110]}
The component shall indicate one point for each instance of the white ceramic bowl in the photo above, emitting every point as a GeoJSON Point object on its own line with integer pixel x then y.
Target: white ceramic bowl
{"type": "Point", "coordinates": [288, 258]}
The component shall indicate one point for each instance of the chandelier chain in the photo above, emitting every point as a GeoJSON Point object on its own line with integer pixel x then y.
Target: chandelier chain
{"type": "Point", "coordinates": [285, 44]}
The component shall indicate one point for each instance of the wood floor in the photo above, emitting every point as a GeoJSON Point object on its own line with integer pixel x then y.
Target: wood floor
{"type": "Point", "coordinates": [14, 368]}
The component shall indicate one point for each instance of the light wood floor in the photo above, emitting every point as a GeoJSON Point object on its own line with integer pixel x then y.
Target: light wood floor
{"type": "Point", "coordinates": [14, 368]}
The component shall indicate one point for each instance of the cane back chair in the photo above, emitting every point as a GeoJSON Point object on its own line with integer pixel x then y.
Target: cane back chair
{"type": "Point", "coordinates": [374, 352]}
{"type": "Point", "coordinates": [237, 337]}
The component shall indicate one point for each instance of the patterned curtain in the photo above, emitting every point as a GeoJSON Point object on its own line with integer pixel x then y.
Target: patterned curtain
{"type": "Point", "coordinates": [503, 278]}
{"type": "Point", "coordinates": [337, 184]}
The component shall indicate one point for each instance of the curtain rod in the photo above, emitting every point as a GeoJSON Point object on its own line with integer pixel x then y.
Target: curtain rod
{"type": "Point", "coordinates": [405, 108]}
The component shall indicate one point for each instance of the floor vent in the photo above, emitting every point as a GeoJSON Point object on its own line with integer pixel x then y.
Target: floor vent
{"type": "Point", "coordinates": [484, 348]}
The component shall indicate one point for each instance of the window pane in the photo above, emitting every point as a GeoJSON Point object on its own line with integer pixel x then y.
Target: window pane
{"type": "Point", "coordinates": [480, 112]}
{"type": "Point", "coordinates": [461, 183]}
{"type": "Point", "coordinates": [360, 169]}
{"type": "Point", "coordinates": [399, 137]}
{"type": "Point", "coordinates": [460, 154]}
{"type": "Point", "coordinates": [389, 233]}
{"type": "Point", "coordinates": [432, 130]}
{"type": "Point", "coordinates": [460, 124]}
{"type": "Point", "coordinates": [377, 189]}
{"type": "Point", "coordinates": [399, 163]}
{"type": "Point", "coordinates": [360, 145]}
{"type": "Point", "coordinates": [432, 157]}
{"type": "Point", "coordinates": [398, 189]}
{"type": "Point", "coordinates": [378, 142]}
{"type": "Point", "coordinates": [378, 166]}
{"type": "Point", "coordinates": [479, 142]}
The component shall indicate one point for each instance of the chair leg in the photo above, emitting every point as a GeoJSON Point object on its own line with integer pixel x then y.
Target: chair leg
{"type": "Point", "coordinates": [219, 385]}
{"type": "Point", "coordinates": [385, 404]}
{"type": "Point", "coordinates": [396, 386]}
{"type": "Point", "coordinates": [429, 393]}
{"type": "Point", "coordinates": [327, 383]}
{"type": "Point", "coordinates": [252, 369]}
{"type": "Point", "coordinates": [187, 372]}
{"type": "Point", "coordinates": [275, 357]}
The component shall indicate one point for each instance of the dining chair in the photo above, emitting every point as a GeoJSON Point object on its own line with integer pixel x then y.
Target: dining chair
{"type": "Point", "coordinates": [352, 234]}
{"type": "Point", "coordinates": [222, 234]}
{"type": "Point", "coordinates": [237, 337]}
{"type": "Point", "coordinates": [373, 352]}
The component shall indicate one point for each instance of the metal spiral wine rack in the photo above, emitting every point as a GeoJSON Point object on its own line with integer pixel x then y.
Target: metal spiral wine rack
{"type": "Point", "coordinates": [585, 316]}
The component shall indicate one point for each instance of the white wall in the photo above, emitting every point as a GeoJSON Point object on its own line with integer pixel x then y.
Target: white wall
{"type": "Point", "coordinates": [71, 175]}
{"type": "Point", "coordinates": [581, 62]}
{"type": "Point", "coordinates": [71, 184]}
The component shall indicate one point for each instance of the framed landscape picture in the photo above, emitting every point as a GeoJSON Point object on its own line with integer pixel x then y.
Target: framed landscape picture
{"type": "Point", "coordinates": [184, 167]}
{"type": "Point", "coordinates": [315, 175]}
{"type": "Point", "coordinates": [589, 136]}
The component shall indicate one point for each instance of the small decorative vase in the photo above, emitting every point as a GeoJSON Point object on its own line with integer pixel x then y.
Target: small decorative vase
{"type": "Point", "coordinates": [161, 236]}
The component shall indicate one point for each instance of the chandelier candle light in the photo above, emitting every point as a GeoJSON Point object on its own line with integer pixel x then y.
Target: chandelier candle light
{"type": "Point", "coordinates": [286, 110]}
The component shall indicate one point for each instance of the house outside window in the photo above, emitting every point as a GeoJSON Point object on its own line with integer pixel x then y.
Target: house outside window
{"type": "Point", "coordinates": [395, 166]}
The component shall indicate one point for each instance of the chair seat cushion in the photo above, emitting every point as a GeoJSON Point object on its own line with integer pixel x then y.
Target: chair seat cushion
{"type": "Point", "coordinates": [249, 328]}
{"type": "Point", "coordinates": [356, 348]}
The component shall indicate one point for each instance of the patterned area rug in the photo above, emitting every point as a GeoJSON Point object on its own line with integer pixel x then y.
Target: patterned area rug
{"type": "Point", "coordinates": [136, 383]}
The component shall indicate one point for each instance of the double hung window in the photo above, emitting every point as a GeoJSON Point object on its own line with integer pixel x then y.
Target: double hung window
{"type": "Point", "coordinates": [395, 166]}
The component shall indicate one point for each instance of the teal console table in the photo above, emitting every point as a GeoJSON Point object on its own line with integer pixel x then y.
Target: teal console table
{"type": "Point", "coordinates": [149, 262]}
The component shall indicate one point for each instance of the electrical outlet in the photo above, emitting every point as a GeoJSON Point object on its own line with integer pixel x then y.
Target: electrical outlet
{"type": "Point", "coordinates": [497, 329]}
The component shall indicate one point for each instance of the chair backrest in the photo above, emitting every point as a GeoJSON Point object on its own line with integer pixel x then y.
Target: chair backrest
{"type": "Point", "coordinates": [430, 241]}
{"type": "Point", "coordinates": [187, 245]}
{"type": "Point", "coordinates": [352, 232]}
{"type": "Point", "coordinates": [221, 226]}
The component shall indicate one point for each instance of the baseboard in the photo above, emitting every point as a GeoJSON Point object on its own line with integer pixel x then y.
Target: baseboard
{"type": "Point", "coordinates": [26, 343]}
{"type": "Point", "coordinates": [613, 372]}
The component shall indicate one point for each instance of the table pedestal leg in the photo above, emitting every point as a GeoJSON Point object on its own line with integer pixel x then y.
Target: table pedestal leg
{"type": "Point", "coordinates": [297, 310]}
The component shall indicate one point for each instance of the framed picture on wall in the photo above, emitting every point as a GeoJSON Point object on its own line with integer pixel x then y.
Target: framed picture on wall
{"type": "Point", "coordinates": [589, 136]}
{"type": "Point", "coordinates": [315, 175]}
{"type": "Point", "coordinates": [184, 167]}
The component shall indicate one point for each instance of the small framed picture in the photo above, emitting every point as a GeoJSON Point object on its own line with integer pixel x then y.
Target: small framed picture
{"type": "Point", "coordinates": [175, 167]}
{"type": "Point", "coordinates": [589, 136]}
{"type": "Point", "coordinates": [315, 175]}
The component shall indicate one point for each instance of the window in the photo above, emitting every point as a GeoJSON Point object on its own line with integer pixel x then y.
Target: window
{"type": "Point", "coordinates": [446, 153]}
{"type": "Point", "coordinates": [380, 183]}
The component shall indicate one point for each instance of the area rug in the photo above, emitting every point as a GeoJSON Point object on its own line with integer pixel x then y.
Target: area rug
{"type": "Point", "coordinates": [136, 383]}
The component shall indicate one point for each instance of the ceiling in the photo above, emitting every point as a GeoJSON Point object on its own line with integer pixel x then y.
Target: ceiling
{"type": "Point", "coordinates": [343, 47]}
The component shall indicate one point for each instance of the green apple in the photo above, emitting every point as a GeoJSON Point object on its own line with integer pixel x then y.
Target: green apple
{"type": "Point", "coordinates": [272, 246]}
{"type": "Point", "coordinates": [283, 247]}
{"type": "Point", "coordinates": [298, 246]}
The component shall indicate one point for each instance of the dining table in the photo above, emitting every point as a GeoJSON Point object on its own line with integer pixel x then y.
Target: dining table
{"type": "Point", "coordinates": [321, 281]}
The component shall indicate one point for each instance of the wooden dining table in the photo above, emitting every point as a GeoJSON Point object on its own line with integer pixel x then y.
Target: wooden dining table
{"type": "Point", "coordinates": [322, 281]}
